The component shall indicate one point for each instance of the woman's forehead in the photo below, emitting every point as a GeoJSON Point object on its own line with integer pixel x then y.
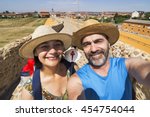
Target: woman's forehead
{"type": "Point", "coordinates": [52, 41]}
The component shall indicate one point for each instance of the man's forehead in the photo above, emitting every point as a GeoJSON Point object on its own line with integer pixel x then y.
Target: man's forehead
{"type": "Point", "coordinates": [94, 37]}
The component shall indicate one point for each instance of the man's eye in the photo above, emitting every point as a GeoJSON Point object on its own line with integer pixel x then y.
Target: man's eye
{"type": "Point", "coordinates": [98, 41]}
{"type": "Point", "coordinates": [86, 44]}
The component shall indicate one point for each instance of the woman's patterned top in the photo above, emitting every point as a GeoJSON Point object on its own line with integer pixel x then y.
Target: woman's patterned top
{"type": "Point", "coordinates": [45, 94]}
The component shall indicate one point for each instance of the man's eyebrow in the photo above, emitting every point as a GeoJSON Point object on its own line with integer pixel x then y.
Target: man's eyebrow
{"type": "Point", "coordinates": [99, 39]}
{"type": "Point", "coordinates": [94, 40]}
{"type": "Point", "coordinates": [85, 42]}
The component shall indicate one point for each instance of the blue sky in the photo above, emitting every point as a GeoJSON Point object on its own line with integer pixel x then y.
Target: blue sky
{"type": "Point", "coordinates": [72, 5]}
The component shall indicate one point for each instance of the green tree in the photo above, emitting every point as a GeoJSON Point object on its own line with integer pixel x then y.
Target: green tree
{"type": "Point", "coordinates": [147, 15]}
{"type": "Point", "coordinates": [120, 18]}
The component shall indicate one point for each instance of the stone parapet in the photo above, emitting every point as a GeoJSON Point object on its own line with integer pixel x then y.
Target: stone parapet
{"type": "Point", "coordinates": [10, 66]}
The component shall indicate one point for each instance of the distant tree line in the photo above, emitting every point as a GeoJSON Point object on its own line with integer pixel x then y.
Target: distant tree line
{"type": "Point", "coordinates": [120, 19]}
{"type": "Point", "coordinates": [117, 19]}
{"type": "Point", "coordinates": [8, 15]}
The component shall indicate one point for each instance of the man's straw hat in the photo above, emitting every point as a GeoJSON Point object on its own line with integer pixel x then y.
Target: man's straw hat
{"type": "Point", "coordinates": [92, 26]}
{"type": "Point", "coordinates": [42, 34]}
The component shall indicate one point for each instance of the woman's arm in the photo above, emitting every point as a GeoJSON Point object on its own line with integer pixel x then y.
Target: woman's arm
{"type": "Point", "coordinates": [26, 95]}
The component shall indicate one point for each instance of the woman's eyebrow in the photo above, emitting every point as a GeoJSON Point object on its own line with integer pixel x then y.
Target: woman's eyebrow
{"type": "Point", "coordinates": [42, 44]}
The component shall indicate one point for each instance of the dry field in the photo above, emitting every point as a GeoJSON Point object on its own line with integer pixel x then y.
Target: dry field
{"type": "Point", "coordinates": [12, 29]}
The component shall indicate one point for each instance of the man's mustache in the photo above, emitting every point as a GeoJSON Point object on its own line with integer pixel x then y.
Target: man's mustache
{"type": "Point", "coordinates": [96, 52]}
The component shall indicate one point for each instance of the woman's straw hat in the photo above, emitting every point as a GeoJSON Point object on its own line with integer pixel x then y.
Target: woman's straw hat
{"type": "Point", "coordinates": [42, 34]}
{"type": "Point", "coordinates": [92, 26]}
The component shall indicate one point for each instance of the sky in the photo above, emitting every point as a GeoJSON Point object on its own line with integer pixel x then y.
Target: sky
{"type": "Point", "coordinates": [74, 5]}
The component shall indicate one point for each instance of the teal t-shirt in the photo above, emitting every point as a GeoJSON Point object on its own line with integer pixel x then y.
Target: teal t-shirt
{"type": "Point", "coordinates": [115, 86]}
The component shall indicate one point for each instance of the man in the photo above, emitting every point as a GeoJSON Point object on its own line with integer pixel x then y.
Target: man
{"type": "Point", "coordinates": [103, 77]}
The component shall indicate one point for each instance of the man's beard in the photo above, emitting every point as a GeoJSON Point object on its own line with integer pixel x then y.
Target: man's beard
{"type": "Point", "coordinates": [98, 58]}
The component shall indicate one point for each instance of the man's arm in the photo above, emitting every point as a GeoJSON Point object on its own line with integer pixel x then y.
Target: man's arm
{"type": "Point", "coordinates": [74, 88]}
{"type": "Point", "coordinates": [139, 69]}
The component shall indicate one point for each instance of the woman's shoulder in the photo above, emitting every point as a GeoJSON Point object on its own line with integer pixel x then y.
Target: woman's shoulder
{"type": "Point", "coordinates": [28, 85]}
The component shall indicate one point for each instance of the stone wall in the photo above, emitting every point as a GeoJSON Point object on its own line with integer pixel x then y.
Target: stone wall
{"type": "Point", "coordinates": [10, 67]}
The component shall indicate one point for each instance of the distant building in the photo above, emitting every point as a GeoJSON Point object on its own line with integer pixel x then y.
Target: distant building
{"type": "Point", "coordinates": [137, 26]}
{"type": "Point", "coordinates": [25, 14]}
{"type": "Point", "coordinates": [60, 14]}
{"type": "Point", "coordinates": [137, 14]}
{"type": "Point", "coordinates": [108, 14]}
{"type": "Point", "coordinates": [18, 15]}
{"type": "Point", "coordinates": [8, 15]}
{"type": "Point", "coordinates": [44, 14]}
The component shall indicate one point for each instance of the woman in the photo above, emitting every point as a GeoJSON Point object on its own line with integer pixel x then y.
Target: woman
{"type": "Point", "coordinates": [51, 70]}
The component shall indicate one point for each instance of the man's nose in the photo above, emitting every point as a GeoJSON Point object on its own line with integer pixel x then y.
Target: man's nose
{"type": "Point", "coordinates": [93, 47]}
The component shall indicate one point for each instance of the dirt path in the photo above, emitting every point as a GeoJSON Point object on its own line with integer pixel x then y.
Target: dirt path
{"type": "Point", "coordinates": [50, 22]}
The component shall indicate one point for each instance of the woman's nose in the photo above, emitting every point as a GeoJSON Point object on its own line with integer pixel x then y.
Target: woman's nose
{"type": "Point", "coordinates": [52, 50]}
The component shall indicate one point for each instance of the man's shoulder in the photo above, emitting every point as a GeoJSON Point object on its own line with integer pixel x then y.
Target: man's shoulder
{"type": "Point", "coordinates": [117, 60]}
{"type": "Point", "coordinates": [83, 68]}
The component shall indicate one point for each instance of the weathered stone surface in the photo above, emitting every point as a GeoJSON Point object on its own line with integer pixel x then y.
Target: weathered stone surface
{"type": "Point", "coordinates": [10, 66]}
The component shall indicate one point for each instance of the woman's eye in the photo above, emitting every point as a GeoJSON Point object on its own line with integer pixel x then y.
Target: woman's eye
{"type": "Point", "coordinates": [58, 45]}
{"type": "Point", "coordinates": [44, 47]}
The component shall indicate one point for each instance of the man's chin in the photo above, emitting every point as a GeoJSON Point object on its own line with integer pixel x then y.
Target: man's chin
{"type": "Point", "coordinates": [96, 66]}
{"type": "Point", "coordinates": [97, 63]}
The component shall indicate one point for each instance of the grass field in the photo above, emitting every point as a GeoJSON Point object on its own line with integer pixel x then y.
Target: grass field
{"type": "Point", "coordinates": [12, 29]}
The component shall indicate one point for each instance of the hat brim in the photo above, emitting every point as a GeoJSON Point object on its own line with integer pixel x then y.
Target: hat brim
{"type": "Point", "coordinates": [108, 29]}
{"type": "Point", "coordinates": [26, 51]}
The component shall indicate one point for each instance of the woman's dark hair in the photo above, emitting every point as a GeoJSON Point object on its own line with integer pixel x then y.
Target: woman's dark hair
{"type": "Point", "coordinates": [38, 64]}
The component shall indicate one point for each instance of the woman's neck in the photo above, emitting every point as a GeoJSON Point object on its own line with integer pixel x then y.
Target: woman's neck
{"type": "Point", "coordinates": [50, 71]}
